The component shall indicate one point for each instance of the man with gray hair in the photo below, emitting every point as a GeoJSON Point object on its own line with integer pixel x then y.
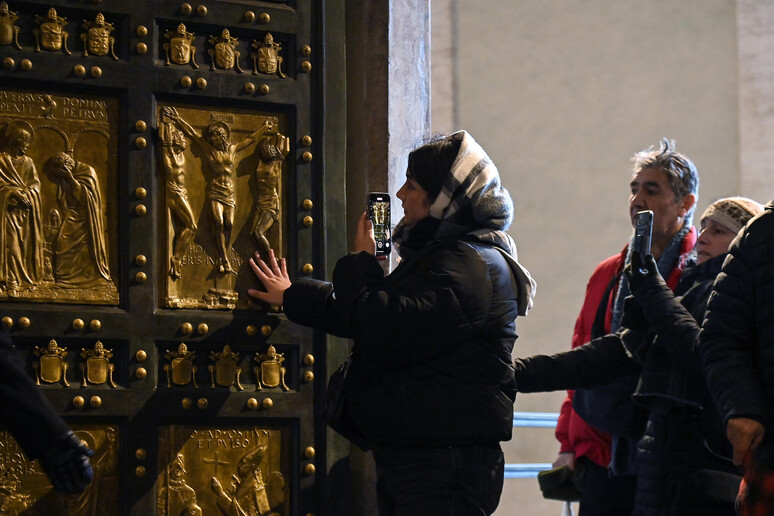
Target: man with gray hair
{"type": "Point", "coordinates": [598, 427]}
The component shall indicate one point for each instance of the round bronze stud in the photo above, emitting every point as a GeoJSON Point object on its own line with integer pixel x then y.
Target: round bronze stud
{"type": "Point", "coordinates": [307, 156]}
{"type": "Point", "coordinates": [201, 10]}
{"type": "Point", "coordinates": [251, 330]}
{"type": "Point", "coordinates": [96, 72]}
{"type": "Point", "coordinates": [141, 48]}
{"type": "Point", "coordinates": [201, 83]}
{"type": "Point", "coordinates": [306, 140]}
{"type": "Point", "coordinates": [267, 403]}
{"type": "Point", "coordinates": [306, 66]}
{"type": "Point", "coordinates": [24, 323]}
{"type": "Point", "coordinates": [186, 328]}
{"type": "Point", "coordinates": [78, 402]}
{"type": "Point", "coordinates": [140, 277]}
{"type": "Point", "coordinates": [202, 329]}
{"type": "Point", "coordinates": [249, 88]}
{"type": "Point", "coordinates": [140, 210]}
{"type": "Point", "coordinates": [185, 81]}
{"type": "Point", "coordinates": [7, 322]}
{"type": "Point", "coordinates": [142, 31]}
{"type": "Point", "coordinates": [26, 65]}
{"type": "Point", "coordinates": [140, 260]}
{"type": "Point", "coordinates": [309, 360]}
{"type": "Point", "coordinates": [95, 325]}
{"type": "Point", "coordinates": [141, 355]}
{"type": "Point", "coordinates": [308, 268]}
{"type": "Point", "coordinates": [252, 403]}
{"type": "Point", "coordinates": [140, 125]}
{"type": "Point", "coordinates": [186, 8]}
{"type": "Point", "coordinates": [140, 193]}
{"type": "Point", "coordinates": [307, 204]}
{"type": "Point", "coordinates": [141, 373]}
{"type": "Point", "coordinates": [78, 324]}
{"type": "Point", "coordinates": [264, 89]}
{"type": "Point", "coordinates": [8, 63]}
{"type": "Point", "coordinates": [95, 401]}
{"type": "Point", "coordinates": [249, 16]}
{"type": "Point", "coordinates": [265, 18]}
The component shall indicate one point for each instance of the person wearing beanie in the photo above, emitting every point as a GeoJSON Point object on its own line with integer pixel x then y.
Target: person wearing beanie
{"type": "Point", "coordinates": [738, 352]}
{"type": "Point", "coordinates": [683, 460]}
{"type": "Point", "coordinates": [430, 382]}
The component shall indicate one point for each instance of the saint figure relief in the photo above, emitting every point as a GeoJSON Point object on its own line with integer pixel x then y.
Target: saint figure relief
{"type": "Point", "coordinates": [220, 153]}
{"type": "Point", "coordinates": [272, 151]}
{"type": "Point", "coordinates": [21, 244]}
{"type": "Point", "coordinates": [173, 146]}
{"type": "Point", "coordinates": [80, 251]}
{"type": "Point", "coordinates": [247, 493]}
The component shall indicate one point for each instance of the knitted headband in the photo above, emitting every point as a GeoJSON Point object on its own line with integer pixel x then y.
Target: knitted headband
{"type": "Point", "coordinates": [732, 212]}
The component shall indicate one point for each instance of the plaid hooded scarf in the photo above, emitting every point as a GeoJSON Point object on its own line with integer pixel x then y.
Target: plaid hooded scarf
{"type": "Point", "coordinates": [471, 206]}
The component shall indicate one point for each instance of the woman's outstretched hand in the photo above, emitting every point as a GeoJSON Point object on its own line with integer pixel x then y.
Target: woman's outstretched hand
{"type": "Point", "coordinates": [273, 275]}
{"type": "Point", "coordinates": [364, 238]}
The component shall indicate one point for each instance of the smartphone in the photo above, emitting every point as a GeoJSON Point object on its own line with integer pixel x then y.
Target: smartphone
{"type": "Point", "coordinates": [643, 229]}
{"type": "Point", "coordinates": [378, 211]}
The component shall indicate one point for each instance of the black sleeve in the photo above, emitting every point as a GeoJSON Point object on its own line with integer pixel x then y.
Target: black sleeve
{"type": "Point", "coordinates": [727, 340]}
{"type": "Point", "coordinates": [439, 305]}
{"type": "Point", "coordinates": [24, 411]}
{"type": "Point", "coordinates": [313, 303]}
{"type": "Point", "coordinates": [595, 363]}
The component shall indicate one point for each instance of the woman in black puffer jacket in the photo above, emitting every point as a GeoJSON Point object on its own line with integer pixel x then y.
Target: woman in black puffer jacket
{"type": "Point", "coordinates": [430, 387]}
{"type": "Point", "coordinates": [682, 462]}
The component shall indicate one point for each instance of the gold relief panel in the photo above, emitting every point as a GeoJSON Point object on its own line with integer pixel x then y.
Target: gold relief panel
{"type": "Point", "coordinates": [9, 31]}
{"type": "Point", "coordinates": [58, 182]}
{"type": "Point", "coordinates": [25, 489]}
{"type": "Point", "coordinates": [233, 471]}
{"type": "Point", "coordinates": [224, 176]}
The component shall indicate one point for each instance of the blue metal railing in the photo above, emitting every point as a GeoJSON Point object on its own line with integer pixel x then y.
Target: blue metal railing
{"type": "Point", "coordinates": [530, 420]}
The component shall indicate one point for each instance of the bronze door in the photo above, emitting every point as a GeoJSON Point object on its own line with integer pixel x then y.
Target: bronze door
{"type": "Point", "coordinates": [148, 148]}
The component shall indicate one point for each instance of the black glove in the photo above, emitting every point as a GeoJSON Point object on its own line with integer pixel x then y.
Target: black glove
{"type": "Point", "coordinates": [633, 317]}
{"type": "Point", "coordinates": [643, 275]}
{"type": "Point", "coordinates": [67, 464]}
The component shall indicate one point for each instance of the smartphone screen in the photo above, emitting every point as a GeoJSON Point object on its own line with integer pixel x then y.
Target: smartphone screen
{"type": "Point", "coordinates": [378, 210]}
{"type": "Point", "coordinates": [643, 228]}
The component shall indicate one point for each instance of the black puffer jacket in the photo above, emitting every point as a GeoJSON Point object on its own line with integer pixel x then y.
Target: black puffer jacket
{"type": "Point", "coordinates": [433, 340]}
{"type": "Point", "coordinates": [682, 434]}
{"type": "Point", "coordinates": [738, 331]}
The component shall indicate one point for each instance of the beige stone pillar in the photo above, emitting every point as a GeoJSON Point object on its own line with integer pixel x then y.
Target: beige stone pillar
{"type": "Point", "coordinates": [755, 22]}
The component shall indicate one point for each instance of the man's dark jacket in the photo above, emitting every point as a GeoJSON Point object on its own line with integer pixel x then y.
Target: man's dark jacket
{"type": "Point", "coordinates": [431, 361]}
{"type": "Point", "coordinates": [683, 433]}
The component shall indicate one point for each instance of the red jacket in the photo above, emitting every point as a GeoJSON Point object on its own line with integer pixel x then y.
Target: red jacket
{"type": "Point", "coordinates": [572, 432]}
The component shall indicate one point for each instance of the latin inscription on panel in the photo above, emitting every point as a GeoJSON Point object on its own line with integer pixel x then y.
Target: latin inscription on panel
{"type": "Point", "coordinates": [223, 471]}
